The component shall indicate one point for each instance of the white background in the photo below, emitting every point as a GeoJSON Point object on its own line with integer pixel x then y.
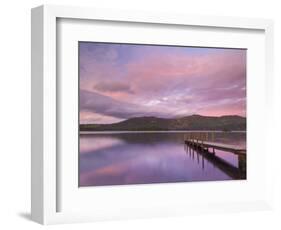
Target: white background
{"type": "Point", "coordinates": [15, 113]}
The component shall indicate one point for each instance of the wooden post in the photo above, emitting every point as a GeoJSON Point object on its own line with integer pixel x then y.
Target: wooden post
{"type": "Point", "coordinates": [204, 139]}
{"type": "Point", "coordinates": [242, 162]}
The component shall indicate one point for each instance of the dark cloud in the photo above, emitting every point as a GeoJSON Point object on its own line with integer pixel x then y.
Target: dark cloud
{"type": "Point", "coordinates": [95, 102]}
{"type": "Point", "coordinates": [105, 86]}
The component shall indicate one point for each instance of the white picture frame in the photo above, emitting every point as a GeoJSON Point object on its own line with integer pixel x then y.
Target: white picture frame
{"type": "Point", "coordinates": [46, 183]}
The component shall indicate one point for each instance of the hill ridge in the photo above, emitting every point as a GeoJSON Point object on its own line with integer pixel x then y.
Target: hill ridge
{"type": "Point", "coordinates": [192, 122]}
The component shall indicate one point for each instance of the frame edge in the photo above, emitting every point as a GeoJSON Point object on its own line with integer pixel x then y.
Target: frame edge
{"type": "Point", "coordinates": [37, 162]}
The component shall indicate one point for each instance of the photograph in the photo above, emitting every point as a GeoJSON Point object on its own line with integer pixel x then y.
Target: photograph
{"type": "Point", "coordinates": [157, 113]}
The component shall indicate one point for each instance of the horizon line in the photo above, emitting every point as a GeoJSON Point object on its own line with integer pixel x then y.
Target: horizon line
{"type": "Point", "coordinates": [162, 118]}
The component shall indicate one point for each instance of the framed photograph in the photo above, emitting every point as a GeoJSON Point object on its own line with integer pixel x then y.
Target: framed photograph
{"type": "Point", "coordinates": [138, 114]}
{"type": "Point", "coordinates": [161, 113]}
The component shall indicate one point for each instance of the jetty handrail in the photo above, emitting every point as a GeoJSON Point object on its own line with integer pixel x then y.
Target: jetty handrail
{"type": "Point", "coordinates": [200, 136]}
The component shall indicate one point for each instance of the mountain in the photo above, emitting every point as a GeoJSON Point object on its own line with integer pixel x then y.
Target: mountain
{"type": "Point", "coordinates": [193, 122]}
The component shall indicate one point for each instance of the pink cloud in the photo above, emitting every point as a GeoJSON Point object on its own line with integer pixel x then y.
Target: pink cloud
{"type": "Point", "coordinates": [156, 72]}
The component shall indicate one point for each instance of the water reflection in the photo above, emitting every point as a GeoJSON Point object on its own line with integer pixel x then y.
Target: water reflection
{"type": "Point", "coordinates": [137, 158]}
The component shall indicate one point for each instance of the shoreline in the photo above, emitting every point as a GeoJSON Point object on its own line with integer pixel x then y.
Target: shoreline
{"type": "Point", "coordinates": [161, 131]}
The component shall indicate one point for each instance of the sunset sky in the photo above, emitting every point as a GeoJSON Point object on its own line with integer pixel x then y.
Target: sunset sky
{"type": "Point", "coordinates": [120, 81]}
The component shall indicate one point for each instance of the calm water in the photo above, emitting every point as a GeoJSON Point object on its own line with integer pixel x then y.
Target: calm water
{"type": "Point", "coordinates": [141, 158]}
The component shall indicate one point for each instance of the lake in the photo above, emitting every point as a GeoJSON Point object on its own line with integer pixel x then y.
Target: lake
{"type": "Point", "coordinates": [120, 158]}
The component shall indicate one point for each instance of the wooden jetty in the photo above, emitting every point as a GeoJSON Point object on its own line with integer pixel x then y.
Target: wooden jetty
{"type": "Point", "coordinates": [227, 168]}
{"type": "Point", "coordinates": [201, 141]}
{"type": "Point", "coordinates": [205, 145]}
